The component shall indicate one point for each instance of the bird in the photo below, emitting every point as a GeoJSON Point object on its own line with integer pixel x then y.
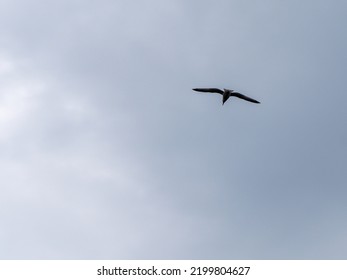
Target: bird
{"type": "Point", "coordinates": [226, 94]}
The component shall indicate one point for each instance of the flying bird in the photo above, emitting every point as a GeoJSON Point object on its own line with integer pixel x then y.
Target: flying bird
{"type": "Point", "coordinates": [226, 94]}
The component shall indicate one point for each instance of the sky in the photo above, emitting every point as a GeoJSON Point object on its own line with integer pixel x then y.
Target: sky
{"type": "Point", "coordinates": [107, 153]}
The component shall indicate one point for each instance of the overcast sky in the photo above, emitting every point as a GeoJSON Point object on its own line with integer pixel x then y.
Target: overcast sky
{"type": "Point", "coordinates": [107, 153]}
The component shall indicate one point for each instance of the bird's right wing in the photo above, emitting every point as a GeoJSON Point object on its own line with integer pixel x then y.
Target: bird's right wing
{"type": "Point", "coordinates": [216, 90]}
{"type": "Point", "coordinates": [244, 97]}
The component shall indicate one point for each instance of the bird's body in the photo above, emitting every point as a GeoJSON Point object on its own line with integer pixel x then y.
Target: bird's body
{"type": "Point", "coordinates": [226, 94]}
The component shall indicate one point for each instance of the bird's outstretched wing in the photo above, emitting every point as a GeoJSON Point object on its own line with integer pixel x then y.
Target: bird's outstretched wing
{"type": "Point", "coordinates": [216, 90]}
{"type": "Point", "coordinates": [239, 95]}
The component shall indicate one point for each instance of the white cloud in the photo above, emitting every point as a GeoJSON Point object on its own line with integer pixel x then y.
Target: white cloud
{"type": "Point", "coordinates": [18, 98]}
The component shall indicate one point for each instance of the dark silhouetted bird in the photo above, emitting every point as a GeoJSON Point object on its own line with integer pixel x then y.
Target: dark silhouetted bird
{"type": "Point", "coordinates": [226, 94]}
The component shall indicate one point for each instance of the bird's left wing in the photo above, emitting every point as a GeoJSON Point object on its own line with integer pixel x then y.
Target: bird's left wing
{"type": "Point", "coordinates": [216, 90]}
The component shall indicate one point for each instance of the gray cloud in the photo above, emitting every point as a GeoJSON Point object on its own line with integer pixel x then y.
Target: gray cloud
{"type": "Point", "coordinates": [106, 153]}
